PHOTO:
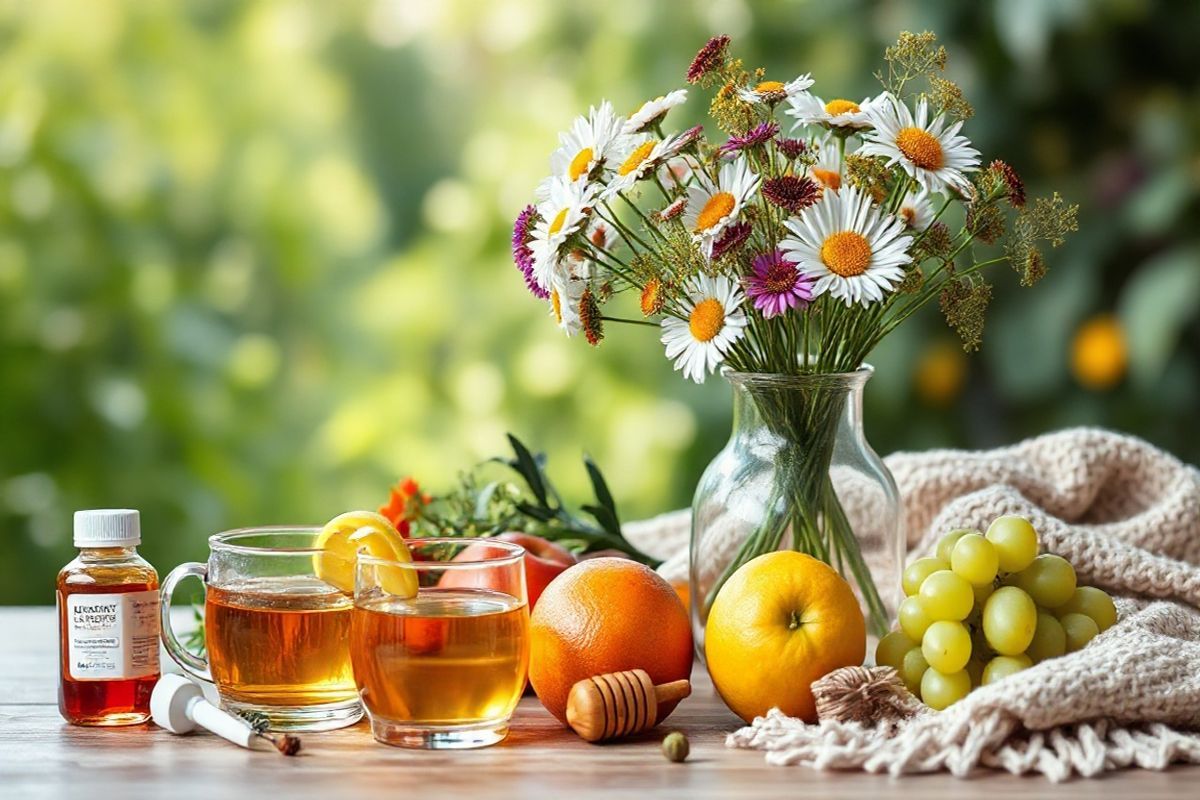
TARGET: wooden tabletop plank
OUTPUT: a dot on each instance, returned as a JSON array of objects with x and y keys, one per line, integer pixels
[{"x": 40, "y": 755}]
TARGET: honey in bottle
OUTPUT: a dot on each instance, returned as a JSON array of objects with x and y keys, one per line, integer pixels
[{"x": 108, "y": 623}]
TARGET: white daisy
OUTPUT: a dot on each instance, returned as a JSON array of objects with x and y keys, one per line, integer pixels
[
  {"x": 916, "y": 210},
  {"x": 848, "y": 247},
  {"x": 638, "y": 159},
  {"x": 809, "y": 109},
  {"x": 583, "y": 149},
  {"x": 936, "y": 156},
  {"x": 653, "y": 111},
  {"x": 711, "y": 209},
  {"x": 827, "y": 169},
  {"x": 567, "y": 206},
  {"x": 773, "y": 92},
  {"x": 714, "y": 322},
  {"x": 565, "y": 294}
]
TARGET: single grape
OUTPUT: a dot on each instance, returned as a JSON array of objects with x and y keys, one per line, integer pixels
[
  {"x": 982, "y": 592},
  {"x": 918, "y": 571},
  {"x": 1009, "y": 619},
  {"x": 1003, "y": 666},
  {"x": 913, "y": 618},
  {"x": 1080, "y": 629},
  {"x": 1049, "y": 639},
  {"x": 1015, "y": 541},
  {"x": 975, "y": 559},
  {"x": 1093, "y": 602},
  {"x": 975, "y": 670},
  {"x": 945, "y": 595},
  {"x": 945, "y": 545},
  {"x": 940, "y": 690},
  {"x": 1049, "y": 580},
  {"x": 912, "y": 669},
  {"x": 947, "y": 646},
  {"x": 891, "y": 649}
]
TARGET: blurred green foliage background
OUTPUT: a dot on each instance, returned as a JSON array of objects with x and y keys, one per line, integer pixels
[{"x": 254, "y": 255}]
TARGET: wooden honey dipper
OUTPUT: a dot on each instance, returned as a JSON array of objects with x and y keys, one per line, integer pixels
[{"x": 619, "y": 703}]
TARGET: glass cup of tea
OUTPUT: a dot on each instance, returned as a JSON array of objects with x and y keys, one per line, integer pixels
[
  {"x": 276, "y": 635},
  {"x": 440, "y": 645}
]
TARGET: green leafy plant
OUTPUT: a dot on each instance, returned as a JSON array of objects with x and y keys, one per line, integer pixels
[{"x": 485, "y": 505}]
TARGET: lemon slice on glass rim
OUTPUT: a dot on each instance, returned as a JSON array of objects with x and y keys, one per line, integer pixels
[{"x": 346, "y": 535}]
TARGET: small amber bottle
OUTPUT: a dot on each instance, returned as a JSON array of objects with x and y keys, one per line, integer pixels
[{"x": 107, "y": 623}]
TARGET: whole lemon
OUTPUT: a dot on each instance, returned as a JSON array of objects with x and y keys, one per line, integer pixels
[{"x": 780, "y": 622}]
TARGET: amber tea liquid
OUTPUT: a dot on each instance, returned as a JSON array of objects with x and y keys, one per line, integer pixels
[
  {"x": 448, "y": 657},
  {"x": 279, "y": 642}
]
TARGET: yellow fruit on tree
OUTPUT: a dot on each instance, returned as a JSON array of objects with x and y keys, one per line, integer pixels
[{"x": 780, "y": 622}]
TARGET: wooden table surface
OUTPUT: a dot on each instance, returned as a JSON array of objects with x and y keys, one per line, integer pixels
[{"x": 42, "y": 756}]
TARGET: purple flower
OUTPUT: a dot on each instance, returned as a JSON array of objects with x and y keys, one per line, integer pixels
[
  {"x": 755, "y": 137},
  {"x": 522, "y": 255},
  {"x": 791, "y": 148},
  {"x": 791, "y": 193},
  {"x": 776, "y": 285}
]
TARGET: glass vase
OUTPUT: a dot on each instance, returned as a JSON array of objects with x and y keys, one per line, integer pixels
[{"x": 798, "y": 473}]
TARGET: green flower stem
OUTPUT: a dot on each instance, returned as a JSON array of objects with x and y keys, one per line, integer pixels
[
  {"x": 645, "y": 220},
  {"x": 611, "y": 220},
  {"x": 631, "y": 321}
]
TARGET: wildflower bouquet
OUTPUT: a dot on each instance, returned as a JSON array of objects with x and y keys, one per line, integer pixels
[{"x": 784, "y": 252}]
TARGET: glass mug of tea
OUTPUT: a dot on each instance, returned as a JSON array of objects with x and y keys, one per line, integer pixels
[
  {"x": 276, "y": 635},
  {"x": 440, "y": 644}
]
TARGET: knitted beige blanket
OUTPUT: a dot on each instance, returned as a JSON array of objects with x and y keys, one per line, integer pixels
[{"x": 1127, "y": 516}]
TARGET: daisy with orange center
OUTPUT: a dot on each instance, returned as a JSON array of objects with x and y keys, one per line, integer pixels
[
  {"x": 848, "y": 247},
  {"x": 772, "y": 92},
  {"x": 826, "y": 171},
  {"x": 567, "y": 207},
  {"x": 637, "y": 160},
  {"x": 711, "y": 321},
  {"x": 808, "y": 109},
  {"x": 713, "y": 207},
  {"x": 584, "y": 149},
  {"x": 935, "y": 155}
]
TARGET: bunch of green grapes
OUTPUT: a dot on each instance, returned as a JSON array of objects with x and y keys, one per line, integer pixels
[{"x": 986, "y": 607}]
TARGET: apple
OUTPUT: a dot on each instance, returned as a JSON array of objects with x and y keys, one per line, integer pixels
[{"x": 544, "y": 561}]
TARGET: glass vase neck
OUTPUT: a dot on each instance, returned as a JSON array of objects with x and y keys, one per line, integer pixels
[
  {"x": 803, "y": 382},
  {"x": 759, "y": 393}
]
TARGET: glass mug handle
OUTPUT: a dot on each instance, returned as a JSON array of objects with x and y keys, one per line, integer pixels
[{"x": 192, "y": 664}]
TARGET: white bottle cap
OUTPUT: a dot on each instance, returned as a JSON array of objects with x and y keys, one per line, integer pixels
[{"x": 107, "y": 527}]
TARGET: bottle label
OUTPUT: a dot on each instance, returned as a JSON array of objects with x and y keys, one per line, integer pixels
[{"x": 112, "y": 635}]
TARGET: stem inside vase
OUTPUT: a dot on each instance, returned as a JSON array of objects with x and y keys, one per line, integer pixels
[{"x": 795, "y": 442}]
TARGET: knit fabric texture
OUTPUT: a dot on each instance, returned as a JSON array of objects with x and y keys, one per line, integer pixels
[{"x": 1127, "y": 516}]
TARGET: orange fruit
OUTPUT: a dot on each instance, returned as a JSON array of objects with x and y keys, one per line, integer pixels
[
  {"x": 780, "y": 622},
  {"x": 604, "y": 615}
]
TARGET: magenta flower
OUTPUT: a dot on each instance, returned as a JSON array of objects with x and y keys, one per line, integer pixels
[
  {"x": 791, "y": 148},
  {"x": 755, "y": 137},
  {"x": 776, "y": 285},
  {"x": 522, "y": 254}
]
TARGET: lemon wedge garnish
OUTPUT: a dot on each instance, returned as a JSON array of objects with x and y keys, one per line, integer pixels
[{"x": 346, "y": 535}]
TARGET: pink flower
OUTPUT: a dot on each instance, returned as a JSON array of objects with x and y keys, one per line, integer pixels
[{"x": 776, "y": 285}]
